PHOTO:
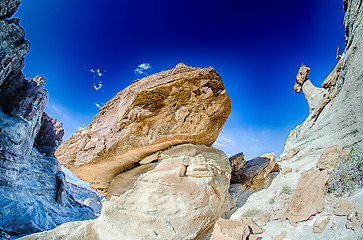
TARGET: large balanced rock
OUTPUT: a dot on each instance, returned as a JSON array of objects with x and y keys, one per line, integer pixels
[
  {"x": 181, "y": 105},
  {"x": 168, "y": 202},
  {"x": 33, "y": 195}
]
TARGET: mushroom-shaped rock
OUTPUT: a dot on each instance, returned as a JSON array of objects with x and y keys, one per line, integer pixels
[{"x": 181, "y": 105}]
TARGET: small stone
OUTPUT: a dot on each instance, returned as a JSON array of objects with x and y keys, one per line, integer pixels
[
  {"x": 320, "y": 224},
  {"x": 334, "y": 225},
  {"x": 262, "y": 219},
  {"x": 344, "y": 208},
  {"x": 330, "y": 157},
  {"x": 286, "y": 170},
  {"x": 254, "y": 237},
  {"x": 280, "y": 236},
  {"x": 230, "y": 230},
  {"x": 353, "y": 223}
]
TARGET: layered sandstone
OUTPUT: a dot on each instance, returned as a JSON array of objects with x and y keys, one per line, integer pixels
[{"x": 181, "y": 105}]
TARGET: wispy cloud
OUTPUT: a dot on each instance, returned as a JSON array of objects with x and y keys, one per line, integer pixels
[
  {"x": 98, "y": 105},
  {"x": 97, "y": 86},
  {"x": 143, "y": 69},
  {"x": 81, "y": 128},
  {"x": 97, "y": 74}
]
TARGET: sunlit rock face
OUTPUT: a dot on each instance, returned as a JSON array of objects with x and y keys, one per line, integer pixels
[
  {"x": 336, "y": 109},
  {"x": 33, "y": 194},
  {"x": 181, "y": 198},
  {"x": 181, "y": 105}
]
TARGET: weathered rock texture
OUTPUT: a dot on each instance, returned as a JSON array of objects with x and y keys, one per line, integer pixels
[
  {"x": 308, "y": 199},
  {"x": 235, "y": 230},
  {"x": 301, "y": 77},
  {"x": 162, "y": 204},
  {"x": 8, "y": 8},
  {"x": 33, "y": 195},
  {"x": 335, "y": 118},
  {"x": 254, "y": 172},
  {"x": 330, "y": 158},
  {"x": 181, "y": 105},
  {"x": 336, "y": 111}
]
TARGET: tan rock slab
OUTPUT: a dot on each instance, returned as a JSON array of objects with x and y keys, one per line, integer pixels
[
  {"x": 289, "y": 155},
  {"x": 286, "y": 170},
  {"x": 262, "y": 219},
  {"x": 230, "y": 230},
  {"x": 308, "y": 198},
  {"x": 320, "y": 224},
  {"x": 281, "y": 236},
  {"x": 344, "y": 208},
  {"x": 255, "y": 171},
  {"x": 330, "y": 157},
  {"x": 181, "y": 105}
]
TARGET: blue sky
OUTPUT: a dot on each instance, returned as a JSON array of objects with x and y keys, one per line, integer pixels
[{"x": 89, "y": 50}]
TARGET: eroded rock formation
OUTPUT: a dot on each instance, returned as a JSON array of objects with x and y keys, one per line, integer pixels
[
  {"x": 181, "y": 105},
  {"x": 33, "y": 194},
  {"x": 335, "y": 119},
  {"x": 162, "y": 204}
]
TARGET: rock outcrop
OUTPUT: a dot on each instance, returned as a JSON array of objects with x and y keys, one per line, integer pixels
[
  {"x": 8, "y": 8},
  {"x": 181, "y": 105},
  {"x": 335, "y": 119},
  {"x": 162, "y": 204},
  {"x": 32, "y": 186},
  {"x": 254, "y": 172}
]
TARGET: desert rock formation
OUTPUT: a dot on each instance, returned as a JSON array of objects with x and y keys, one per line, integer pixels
[
  {"x": 181, "y": 105},
  {"x": 335, "y": 119},
  {"x": 32, "y": 186}
]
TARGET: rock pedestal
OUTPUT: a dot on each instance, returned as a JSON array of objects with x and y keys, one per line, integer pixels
[{"x": 181, "y": 105}]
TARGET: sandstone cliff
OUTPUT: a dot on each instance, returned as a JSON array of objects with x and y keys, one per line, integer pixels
[
  {"x": 33, "y": 194},
  {"x": 181, "y": 105}
]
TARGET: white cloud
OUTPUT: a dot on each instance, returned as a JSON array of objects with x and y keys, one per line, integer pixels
[
  {"x": 97, "y": 86},
  {"x": 81, "y": 128},
  {"x": 143, "y": 69},
  {"x": 98, "y": 105},
  {"x": 222, "y": 141},
  {"x": 99, "y": 73}
]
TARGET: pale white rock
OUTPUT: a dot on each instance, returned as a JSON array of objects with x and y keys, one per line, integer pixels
[{"x": 162, "y": 204}]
